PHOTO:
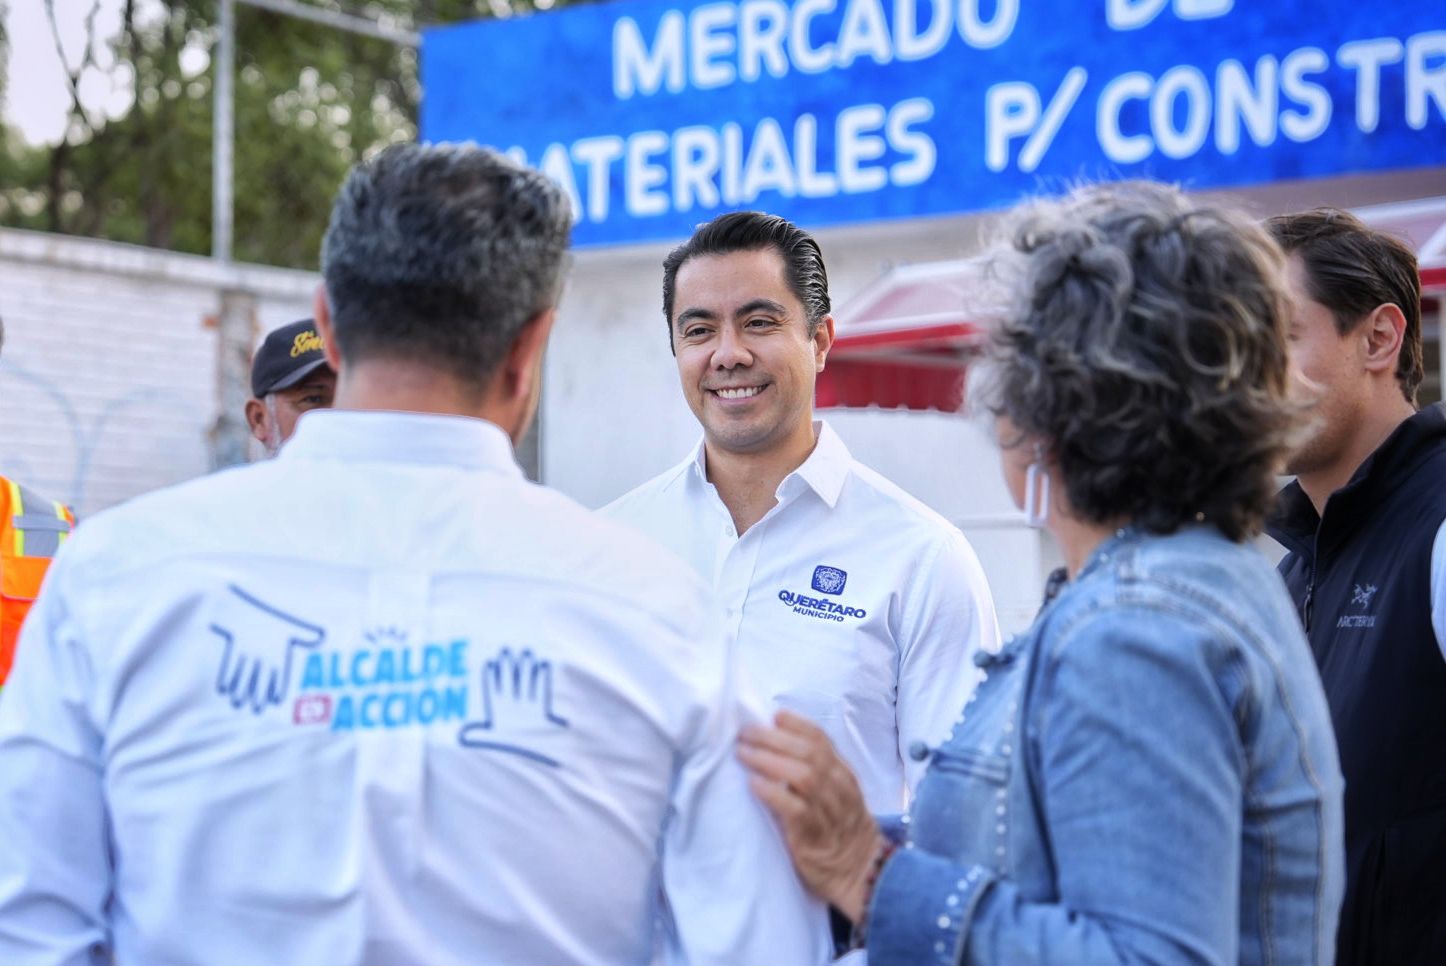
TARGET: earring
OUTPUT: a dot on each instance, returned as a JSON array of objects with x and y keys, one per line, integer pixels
[{"x": 1036, "y": 490}]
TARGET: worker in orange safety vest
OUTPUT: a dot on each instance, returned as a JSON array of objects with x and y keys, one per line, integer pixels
[{"x": 32, "y": 529}]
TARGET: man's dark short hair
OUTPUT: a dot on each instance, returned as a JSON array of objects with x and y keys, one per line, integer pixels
[
  {"x": 439, "y": 254},
  {"x": 1352, "y": 269},
  {"x": 748, "y": 231}
]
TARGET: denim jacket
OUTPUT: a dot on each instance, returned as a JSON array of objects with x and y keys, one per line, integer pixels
[{"x": 1147, "y": 775}]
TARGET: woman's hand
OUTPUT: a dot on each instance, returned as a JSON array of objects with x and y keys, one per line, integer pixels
[{"x": 816, "y": 799}]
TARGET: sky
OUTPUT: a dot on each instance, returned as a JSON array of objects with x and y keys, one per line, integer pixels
[{"x": 36, "y": 95}]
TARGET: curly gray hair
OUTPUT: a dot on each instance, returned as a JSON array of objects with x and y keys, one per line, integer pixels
[{"x": 1145, "y": 348}]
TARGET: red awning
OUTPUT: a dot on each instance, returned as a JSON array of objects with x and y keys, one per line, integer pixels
[{"x": 906, "y": 340}]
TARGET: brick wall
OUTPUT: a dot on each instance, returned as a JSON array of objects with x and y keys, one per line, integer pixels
[{"x": 110, "y": 375}]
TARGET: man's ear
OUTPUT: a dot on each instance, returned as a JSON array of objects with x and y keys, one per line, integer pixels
[
  {"x": 256, "y": 419},
  {"x": 523, "y": 366},
  {"x": 1384, "y": 332},
  {"x": 822, "y": 342},
  {"x": 321, "y": 313}
]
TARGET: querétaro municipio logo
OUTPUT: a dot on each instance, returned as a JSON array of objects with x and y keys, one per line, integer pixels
[{"x": 829, "y": 580}]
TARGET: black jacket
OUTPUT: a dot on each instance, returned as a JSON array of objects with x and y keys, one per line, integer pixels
[{"x": 1360, "y": 574}]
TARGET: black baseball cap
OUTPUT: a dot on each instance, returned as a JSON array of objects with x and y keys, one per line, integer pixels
[{"x": 287, "y": 356}]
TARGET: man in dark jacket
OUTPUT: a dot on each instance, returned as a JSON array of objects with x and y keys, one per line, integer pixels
[{"x": 1367, "y": 567}]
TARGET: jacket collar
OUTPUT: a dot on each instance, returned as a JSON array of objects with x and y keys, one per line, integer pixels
[
  {"x": 1295, "y": 522},
  {"x": 390, "y": 437}
]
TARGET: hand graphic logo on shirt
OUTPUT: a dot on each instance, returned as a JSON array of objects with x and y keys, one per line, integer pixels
[
  {"x": 516, "y": 702},
  {"x": 258, "y": 644}
]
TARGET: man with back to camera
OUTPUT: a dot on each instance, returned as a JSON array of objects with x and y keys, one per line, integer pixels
[
  {"x": 852, "y": 602},
  {"x": 289, "y": 376},
  {"x": 1363, "y": 523},
  {"x": 441, "y": 716}
]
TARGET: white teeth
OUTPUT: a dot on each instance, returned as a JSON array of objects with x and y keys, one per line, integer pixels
[{"x": 739, "y": 393}]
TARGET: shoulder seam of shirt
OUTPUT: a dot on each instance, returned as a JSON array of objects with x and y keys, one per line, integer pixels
[
  {"x": 661, "y": 483},
  {"x": 898, "y": 497}
]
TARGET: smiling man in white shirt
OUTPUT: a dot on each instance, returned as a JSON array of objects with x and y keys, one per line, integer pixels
[
  {"x": 852, "y": 603},
  {"x": 381, "y": 700}
]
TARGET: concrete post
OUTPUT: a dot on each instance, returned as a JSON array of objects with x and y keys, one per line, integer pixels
[{"x": 229, "y": 437}]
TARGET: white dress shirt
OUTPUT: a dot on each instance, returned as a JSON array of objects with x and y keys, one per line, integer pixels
[
  {"x": 380, "y": 700},
  {"x": 852, "y": 603}
]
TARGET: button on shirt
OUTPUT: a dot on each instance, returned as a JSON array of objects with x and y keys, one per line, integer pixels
[
  {"x": 852, "y": 602},
  {"x": 381, "y": 700}
]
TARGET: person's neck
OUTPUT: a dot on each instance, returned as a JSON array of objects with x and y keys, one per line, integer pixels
[
  {"x": 1077, "y": 539},
  {"x": 395, "y": 386},
  {"x": 1379, "y": 422},
  {"x": 747, "y": 483}
]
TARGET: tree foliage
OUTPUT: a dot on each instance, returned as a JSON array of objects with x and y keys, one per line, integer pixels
[{"x": 310, "y": 101}]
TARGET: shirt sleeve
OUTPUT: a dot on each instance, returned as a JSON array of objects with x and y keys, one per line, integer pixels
[
  {"x": 55, "y": 871},
  {"x": 948, "y": 617},
  {"x": 1438, "y": 588},
  {"x": 1144, "y": 821},
  {"x": 727, "y": 879}
]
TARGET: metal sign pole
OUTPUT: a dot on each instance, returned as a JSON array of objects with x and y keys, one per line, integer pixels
[
  {"x": 236, "y": 320},
  {"x": 222, "y": 135},
  {"x": 224, "y": 121},
  {"x": 341, "y": 21}
]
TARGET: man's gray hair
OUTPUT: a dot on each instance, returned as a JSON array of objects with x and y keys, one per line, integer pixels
[{"x": 439, "y": 254}]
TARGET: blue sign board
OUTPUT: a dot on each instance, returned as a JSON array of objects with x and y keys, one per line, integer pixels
[{"x": 657, "y": 114}]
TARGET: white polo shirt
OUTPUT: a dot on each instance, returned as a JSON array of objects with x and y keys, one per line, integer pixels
[
  {"x": 380, "y": 700},
  {"x": 852, "y": 602}
]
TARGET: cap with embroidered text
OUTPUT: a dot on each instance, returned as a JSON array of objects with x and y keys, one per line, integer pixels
[{"x": 287, "y": 355}]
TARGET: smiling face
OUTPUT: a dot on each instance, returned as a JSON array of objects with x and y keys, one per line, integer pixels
[{"x": 745, "y": 356}]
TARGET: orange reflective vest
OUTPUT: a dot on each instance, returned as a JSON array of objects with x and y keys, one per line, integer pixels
[{"x": 32, "y": 529}]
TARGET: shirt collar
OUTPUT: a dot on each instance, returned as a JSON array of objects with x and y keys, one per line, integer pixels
[
  {"x": 393, "y": 437},
  {"x": 825, "y": 471}
]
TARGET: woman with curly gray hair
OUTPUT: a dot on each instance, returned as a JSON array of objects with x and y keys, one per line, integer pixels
[{"x": 1148, "y": 774}]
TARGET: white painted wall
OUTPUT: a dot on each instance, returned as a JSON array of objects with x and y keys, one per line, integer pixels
[
  {"x": 109, "y": 372},
  {"x": 951, "y": 463}
]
